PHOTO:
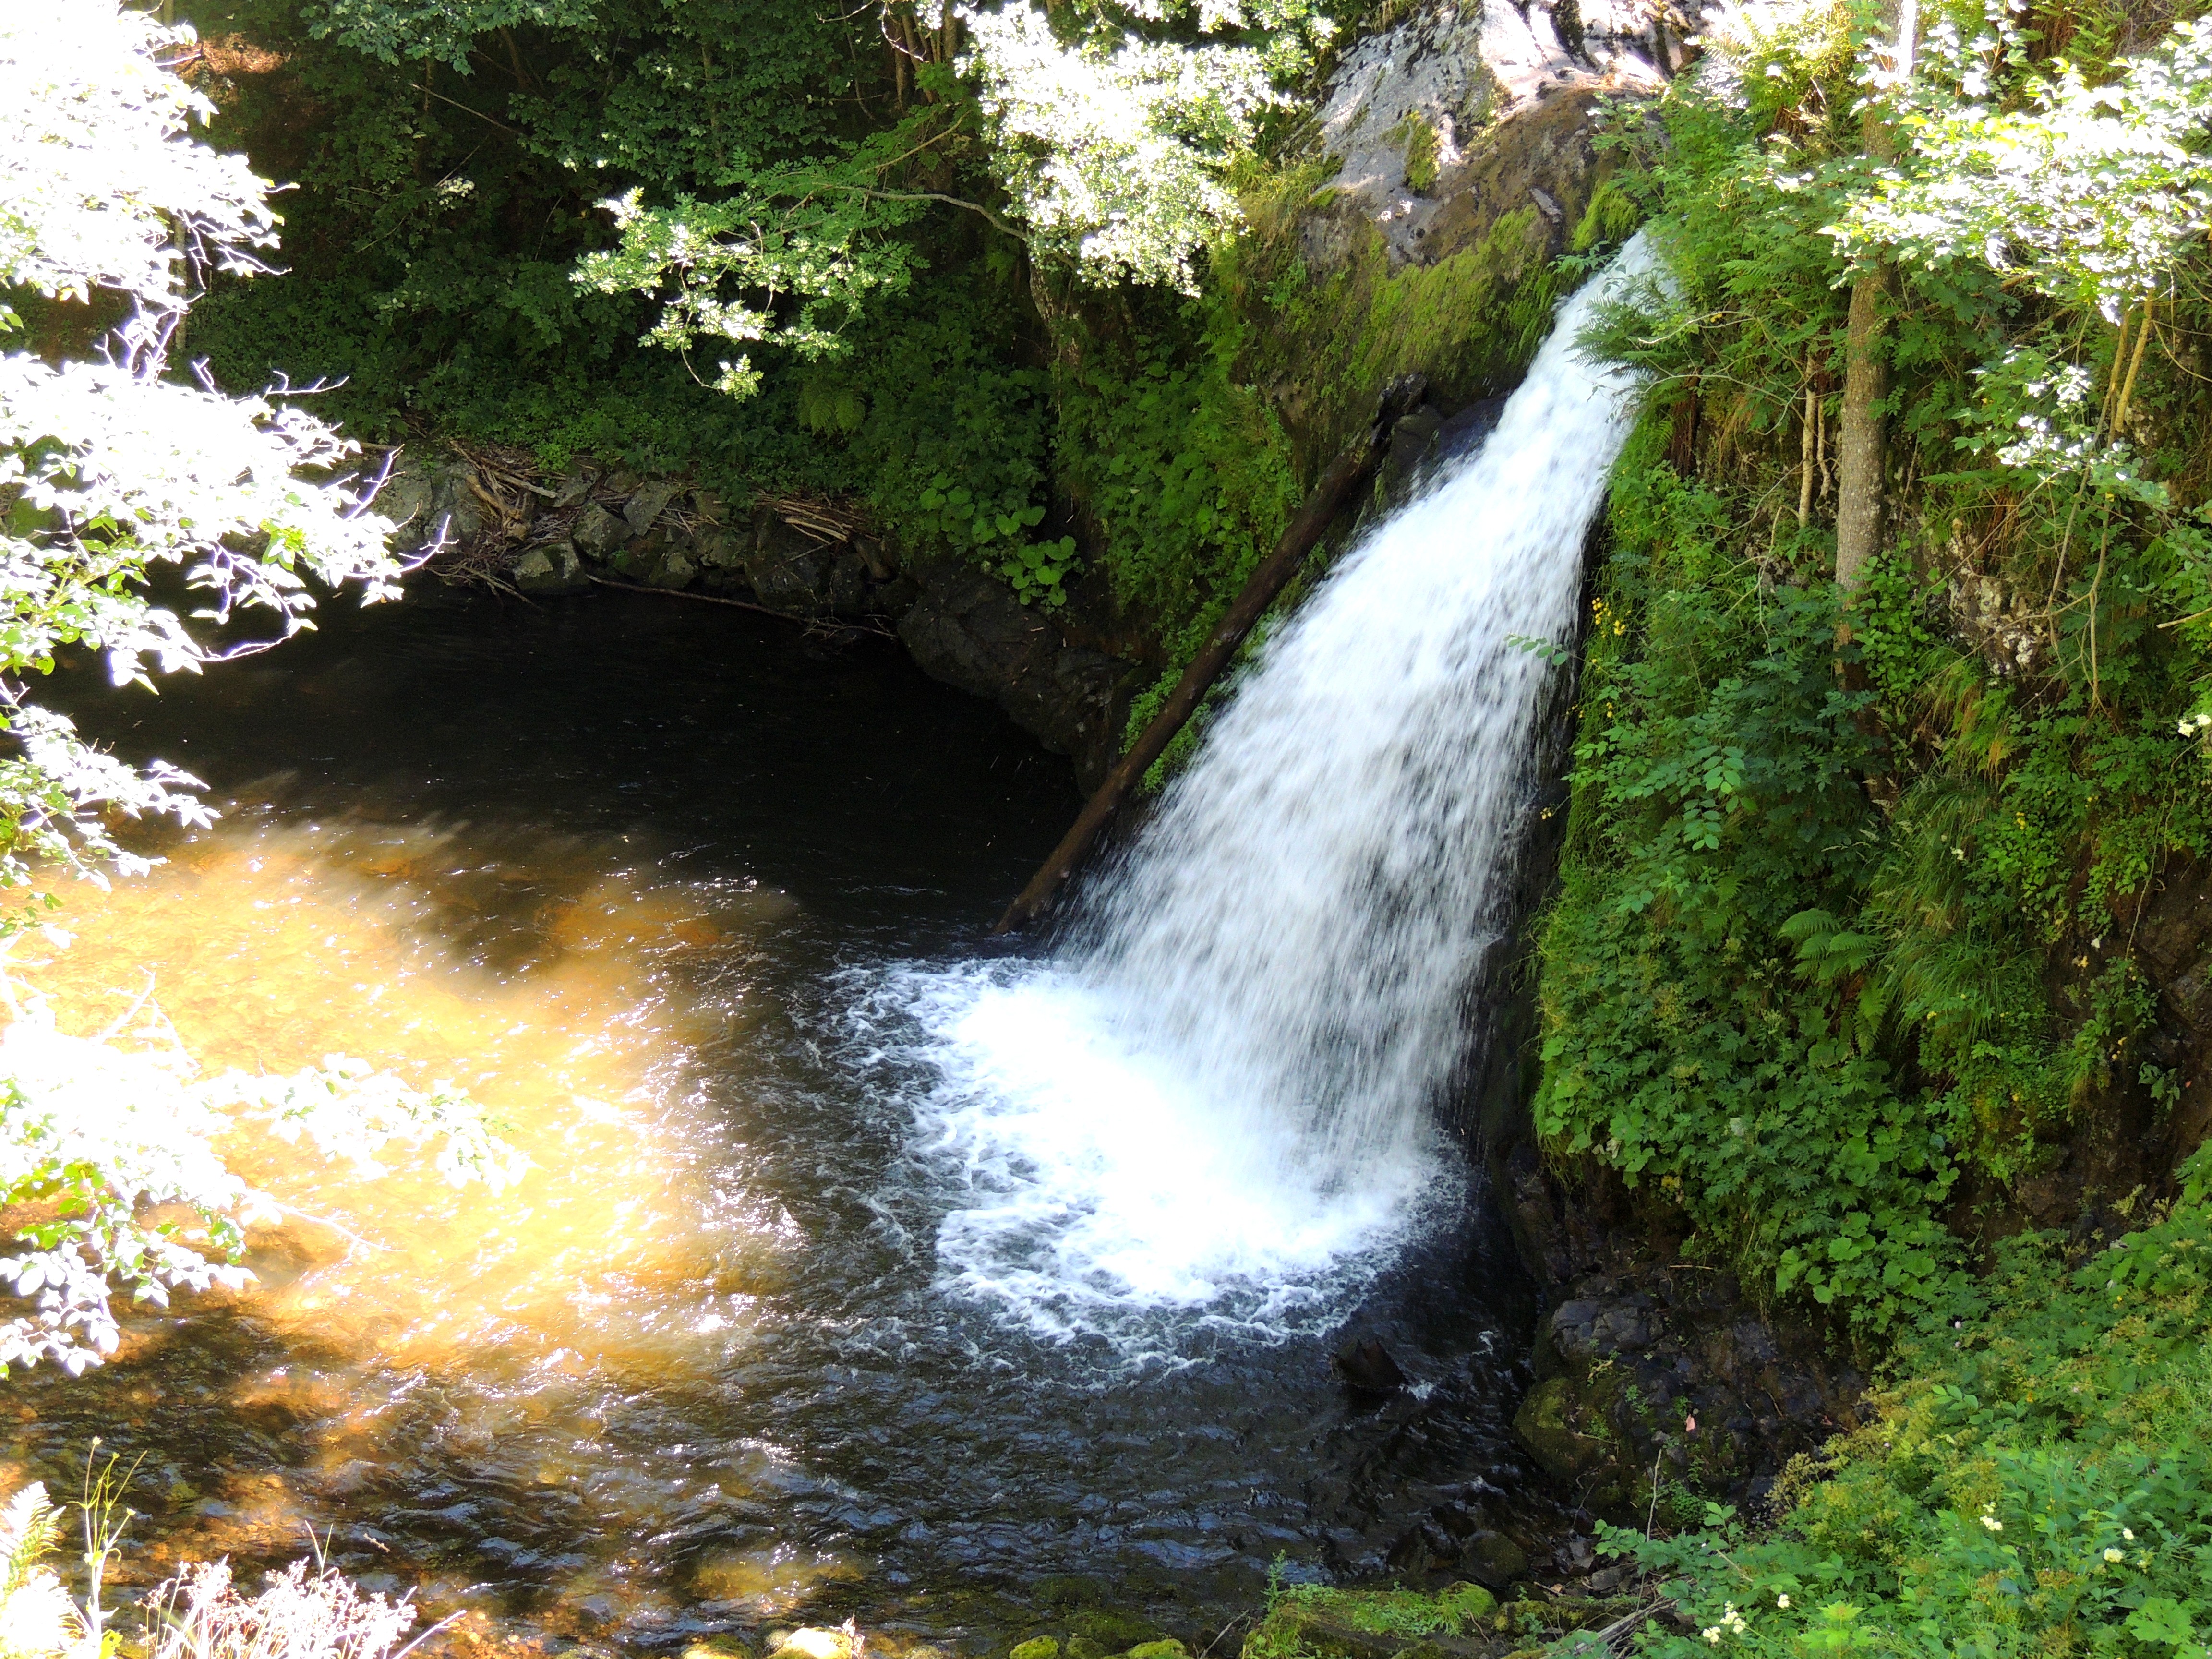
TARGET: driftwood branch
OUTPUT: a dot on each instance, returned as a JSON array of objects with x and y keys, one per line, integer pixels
[{"x": 1336, "y": 486}]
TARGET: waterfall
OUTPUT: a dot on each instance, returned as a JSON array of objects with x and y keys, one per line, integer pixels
[{"x": 1219, "y": 1098}]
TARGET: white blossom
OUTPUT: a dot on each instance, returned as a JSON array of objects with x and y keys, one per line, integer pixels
[{"x": 1117, "y": 148}]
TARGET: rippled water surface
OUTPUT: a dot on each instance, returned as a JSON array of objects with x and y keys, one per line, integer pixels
[{"x": 687, "y": 897}]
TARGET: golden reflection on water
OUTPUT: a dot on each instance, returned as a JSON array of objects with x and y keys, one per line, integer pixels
[
  {"x": 272, "y": 947},
  {"x": 616, "y": 1265}
]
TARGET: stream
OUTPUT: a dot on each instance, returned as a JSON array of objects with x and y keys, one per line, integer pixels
[{"x": 783, "y": 1326}]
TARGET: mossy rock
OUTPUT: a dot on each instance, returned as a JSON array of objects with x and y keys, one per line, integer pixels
[
  {"x": 1082, "y": 1647},
  {"x": 1117, "y": 1632},
  {"x": 1567, "y": 1433},
  {"x": 1166, "y": 1648},
  {"x": 1040, "y": 1647}
]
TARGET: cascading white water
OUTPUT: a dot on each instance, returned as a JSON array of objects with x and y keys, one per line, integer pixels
[{"x": 1222, "y": 1101}]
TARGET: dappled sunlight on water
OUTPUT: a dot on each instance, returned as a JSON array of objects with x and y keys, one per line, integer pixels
[{"x": 271, "y": 946}]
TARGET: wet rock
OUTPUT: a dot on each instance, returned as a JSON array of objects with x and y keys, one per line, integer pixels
[
  {"x": 971, "y": 631},
  {"x": 550, "y": 567},
  {"x": 1494, "y": 1560},
  {"x": 1367, "y": 1368},
  {"x": 598, "y": 1612},
  {"x": 596, "y": 533},
  {"x": 812, "y": 1642}
]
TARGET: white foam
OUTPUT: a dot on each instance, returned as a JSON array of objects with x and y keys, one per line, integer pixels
[{"x": 1220, "y": 1102}]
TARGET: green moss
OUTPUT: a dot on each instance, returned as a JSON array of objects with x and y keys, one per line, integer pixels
[
  {"x": 1417, "y": 140},
  {"x": 1301, "y": 1617},
  {"x": 1117, "y": 1632},
  {"x": 1042, "y": 1647}
]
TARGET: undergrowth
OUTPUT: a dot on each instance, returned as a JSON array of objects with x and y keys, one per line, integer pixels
[{"x": 2040, "y": 1482}]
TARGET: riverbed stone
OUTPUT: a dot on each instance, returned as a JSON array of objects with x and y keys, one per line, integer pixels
[
  {"x": 812, "y": 1642},
  {"x": 1041, "y": 1647}
]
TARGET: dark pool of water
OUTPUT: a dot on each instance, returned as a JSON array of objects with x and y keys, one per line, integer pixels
[{"x": 781, "y": 1416}]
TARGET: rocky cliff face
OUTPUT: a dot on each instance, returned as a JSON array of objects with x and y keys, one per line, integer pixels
[{"x": 1463, "y": 113}]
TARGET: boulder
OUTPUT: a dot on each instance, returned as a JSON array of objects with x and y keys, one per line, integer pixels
[
  {"x": 848, "y": 584},
  {"x": 1367, "y": 1368},
  {"x": 668, "y": 567},
  {"x": 550, "y": 567},
  {"x": 1570, "y": 1440},
  {"x": 596, "y": 533},
  {"x": 644, "y": 509},
  {"x": 573, "y": 489},
  {"x": 1493, "y": 1558},
  {"x": 404, "y": 497}
]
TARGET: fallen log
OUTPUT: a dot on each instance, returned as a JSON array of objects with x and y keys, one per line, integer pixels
[{"x": 1336, "y": 486}]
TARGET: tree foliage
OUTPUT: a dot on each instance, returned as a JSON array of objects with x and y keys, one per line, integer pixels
[{"x": 111, "y": 470}]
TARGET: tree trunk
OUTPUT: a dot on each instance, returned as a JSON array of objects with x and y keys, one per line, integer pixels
[
  {"x": 1862, "y": 445},
  {"x": 1344, "y": 475},
  {"x": 1862, "y": 441}
]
